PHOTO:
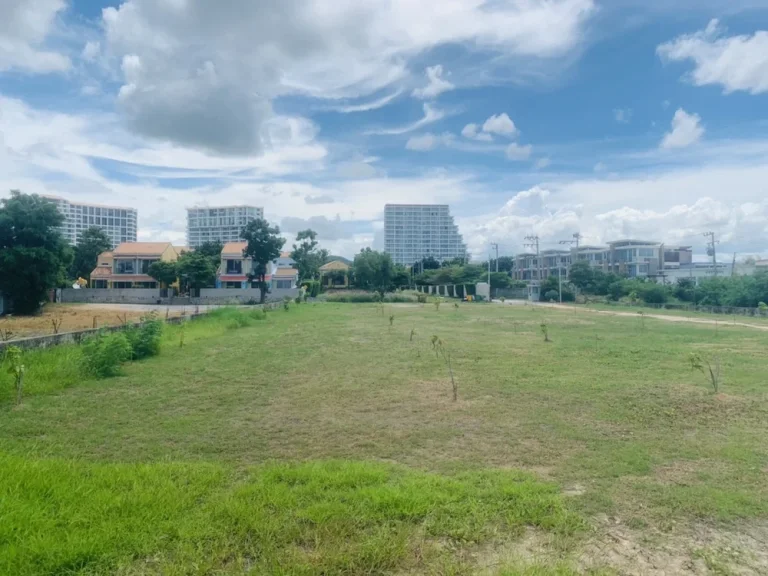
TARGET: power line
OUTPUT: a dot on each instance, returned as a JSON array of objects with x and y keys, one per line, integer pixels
[{"x": 533, "y": 242}]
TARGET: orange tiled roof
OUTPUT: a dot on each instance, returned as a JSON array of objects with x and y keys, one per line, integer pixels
[
  {"x": 101, "y": 272},
  {"x": 141, "y": 248},
  {"x": 234, "y": 248},
  {"x": 286, "y": 272}
]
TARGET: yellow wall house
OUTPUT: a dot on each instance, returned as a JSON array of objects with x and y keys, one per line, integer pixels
[
  {"x": 127, "y": 266},
  {"x": 331, "y": 274}
]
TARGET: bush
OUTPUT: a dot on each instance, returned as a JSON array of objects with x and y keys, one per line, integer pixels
[
  {"x": 552, "y": 296},
  {"x": 653, "y": 293},
  {"x": 359, "y": 297},
  {"x": 145, "y": 340},
  {"x": 421, "y": 298},
  {"x": 103, "y": 355},
  {"x": 312, "y": 287}
]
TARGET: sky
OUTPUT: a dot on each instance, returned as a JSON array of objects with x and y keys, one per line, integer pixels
[{"x": 612, "y": 118}]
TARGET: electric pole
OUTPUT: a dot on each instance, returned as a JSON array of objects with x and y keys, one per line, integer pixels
[
  {"x": 533, "y": 242},
  {"x": 576, "y": 240},
  {"x": 711, "y": 251},
  {"x": 495, "y": 245}
]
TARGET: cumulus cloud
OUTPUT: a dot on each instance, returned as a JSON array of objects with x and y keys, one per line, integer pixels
[
  {"x": 435, "y": 84},
  {"x": 517, "y": 152},
  {"x": 200, "y": 62},
  {"x": 24, "y": 28},
  {"x": 686, "y": 130},
  {"x": 734, "y": 62},
  {"x": 500, "y": 124},
  {"x": 472, "y": 132},
  {"x": 542, "y": 163}
]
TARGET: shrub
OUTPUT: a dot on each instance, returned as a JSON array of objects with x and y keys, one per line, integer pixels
[
  {"x": 103, "y": 355},
  {"x": 653, "y": 293},
  {"x": 552, "y": 296},
  {"x": 359, "y": 297},
  {"x": 312, "y": 287},
  {"x": 421, "y": 298},
  {"x": 145, "y": 340}
]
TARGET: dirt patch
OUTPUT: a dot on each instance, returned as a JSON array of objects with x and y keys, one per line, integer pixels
[
  {"x": 71, "y": 318},
  {"x": 689, "y": 550}
]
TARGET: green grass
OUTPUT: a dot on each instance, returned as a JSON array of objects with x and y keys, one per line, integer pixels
[{"x": 193, "y": 443}]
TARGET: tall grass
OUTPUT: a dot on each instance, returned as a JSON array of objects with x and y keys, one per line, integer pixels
[
  {"x": 314, "y": 518},
  {"x": 52, "y": 369},
  {"x": 360, "y": 297}
]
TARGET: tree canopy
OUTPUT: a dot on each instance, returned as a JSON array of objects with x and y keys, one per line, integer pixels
[
  {"x": 307, "y": 256},
  {"x": 211, "y": 250},
  {"x": 91, "y": 243},
  {"x": 373, "y": 270},
  {"x": 197, "y": 269},
  {"x": 164, "y": 272},
  {"x": 264, "y": 245},
  {"x": 33, "y": 255}
]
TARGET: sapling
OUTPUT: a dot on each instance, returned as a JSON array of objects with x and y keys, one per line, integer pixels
[
  {"x": 391, "y": 320},
  {"x": 545, "y": 331},
  {"x": 707, "y": 368},
  {"x": 413, "y": 333},
  {"x": 56, "y": 323},
  {"x": 440, "y": 350},
  {"x": 16, "y": 369}
]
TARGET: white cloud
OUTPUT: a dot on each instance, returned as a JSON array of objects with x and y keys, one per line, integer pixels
[
  {"x": 91, "y": 51},
  {"x": 435, "y": 84},
  {"x": 252, "y": 52},
  {"x": 517, "y": 152},
  {"x": 428, "y": 141},
  {"x": 500, "y": 124},
  {"x": 734, "y": 62},
  {"x": 542, "y": 163},
  {"x": 431, "y": 115},
  {"x": 24, "y": 28},
  {"x": 686, "y": 130},
  {"x": 623, "y": 115},
  {"x": 367, "y": 106},
  {"x": 471, "y": 131}
]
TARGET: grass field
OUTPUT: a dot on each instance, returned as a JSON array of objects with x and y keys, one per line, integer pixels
[{"x": 322, "y": 440}]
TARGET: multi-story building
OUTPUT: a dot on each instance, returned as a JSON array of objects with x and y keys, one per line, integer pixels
[
  {"x": 118, "y": 222},
  {"x": 219, "y": 224},
  {"x": 130, "y": 264},
  {"x": 413, "y": 232},
  {"x": 635, "y": 258},
  {"x": 532, "y": 268}
]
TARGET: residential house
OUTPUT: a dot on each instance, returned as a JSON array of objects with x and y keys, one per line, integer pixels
[
  {"x": 102, "y": 274},
  {"x": 235, "y": 270},
  {"x": 284, "y": 260},
  {"x": 131, "y": 262},
  {"x": 335, "y": 274},
  {"x": 636, "y": 258}
]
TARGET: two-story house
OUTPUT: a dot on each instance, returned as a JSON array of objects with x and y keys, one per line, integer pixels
[
  {"x": 131, "y": 262},
  {"x": 235, "y": 270},
  {"x": 102, "y": 274}
]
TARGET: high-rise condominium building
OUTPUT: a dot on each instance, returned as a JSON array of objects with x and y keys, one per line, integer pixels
[
  {"x": 118, "y": 222},
  {"x": 416, "y": 231},
  {"x": 220, "y": 224}
]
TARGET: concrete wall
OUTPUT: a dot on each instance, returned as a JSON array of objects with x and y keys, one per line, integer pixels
[
  {"x": 231, "y": 296},
  {"x": 108, "y": 296}
]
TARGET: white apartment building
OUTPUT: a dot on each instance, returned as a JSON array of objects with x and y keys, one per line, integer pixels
[
  {"x": 416, "y": 231},
  {"x": 118, "y": 222},
  {"x": 219, "y": 224}
]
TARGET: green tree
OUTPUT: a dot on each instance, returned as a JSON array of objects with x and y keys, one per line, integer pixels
[
  {"x": 264, "y": 245},
  {"x": 33, "y": 255},
  {"x": 429, "y": 263},
  {"x": 582, "y": 276},
  {"x": 91, "y": 243},
  {"x": 307, "y": 256},
  {"x": 373, "y": 270},
  {"x": 500, "y": 280},
  {"x": 197, "y": 270},
  {"x": 211, "y": 250},
  {"x": 400, "y": 277},
  {"x": 165, "y": 273}
]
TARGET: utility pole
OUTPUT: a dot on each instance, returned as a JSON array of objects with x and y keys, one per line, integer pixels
[
  {"x": 533, "y": 242},
  {"x": 495, "y": 245},
  {"x": 711, "y": 249},
  {"x": 576, "y": 240},
  {"x": 489, "y": 271},
  {"x": 733, "y": 266}
]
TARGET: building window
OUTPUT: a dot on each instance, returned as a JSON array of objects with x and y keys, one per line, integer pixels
[
  {"x": 124, "y": 267},
  {"x": 233, "y": 285},
  {"x": 145, "y": 264},
  {"x": 234, "y": 266},
  {"x": 283, "y": 284}
]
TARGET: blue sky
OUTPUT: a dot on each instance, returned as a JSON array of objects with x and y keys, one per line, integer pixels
[{"x": 614, "y": 119}]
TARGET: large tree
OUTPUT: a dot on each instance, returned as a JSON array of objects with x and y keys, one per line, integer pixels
[
  {"x": 264, "y": 245},
  {"x": 582, "y": 276},
  {"x": 33, "y": 255},
  {"x": 373, "y": 270},
  {"x": 307, "y": 256},
  {"x": 211, "y": 250},
  {"x": 164, "y": 272},
  {"x": 197, "y": 270},
  {"x": 91, "y": 243}
]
